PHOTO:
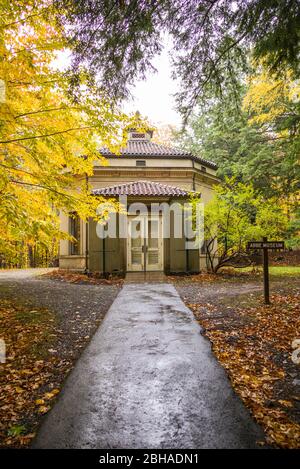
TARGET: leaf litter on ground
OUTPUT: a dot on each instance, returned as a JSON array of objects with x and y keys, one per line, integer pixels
[{"x": 254, "y": 345}]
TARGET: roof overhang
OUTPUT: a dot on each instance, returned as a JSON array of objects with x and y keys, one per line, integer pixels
[{"x": 144, "y": 189}]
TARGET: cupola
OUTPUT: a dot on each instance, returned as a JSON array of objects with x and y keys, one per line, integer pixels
[
  {"x": 141, "y": 132},
  {"x": 135, "y": 134}
]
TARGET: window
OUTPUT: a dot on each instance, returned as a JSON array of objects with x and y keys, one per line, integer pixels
[
  {"x": 140, "y": 163},
  {"x": 203, "y": 169},
  {"x": 138, "y": 135},
  {"x": 74, "y": 230}
]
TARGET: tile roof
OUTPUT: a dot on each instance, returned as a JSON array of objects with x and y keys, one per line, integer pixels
[
  {"x": 142, "y": 188},
  {"x": 148, "y": 149}
]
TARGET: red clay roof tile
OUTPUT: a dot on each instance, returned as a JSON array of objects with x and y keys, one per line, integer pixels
[
  {"x": 147, "y": 149},
  {"x": 142, "y": 188}
]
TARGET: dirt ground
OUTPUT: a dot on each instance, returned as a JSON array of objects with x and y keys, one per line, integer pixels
[{"x": 253, "y": 342}]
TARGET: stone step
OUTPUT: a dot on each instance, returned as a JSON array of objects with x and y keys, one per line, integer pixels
[{"x": 145, "y": 277}]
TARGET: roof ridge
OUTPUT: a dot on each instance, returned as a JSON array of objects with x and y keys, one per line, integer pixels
[
  {"x": 137, "y": 182},
  {"x": 171, "y": 147},
  {"x": 157, "y": 182},
  {"x": 149, "y": 142}
]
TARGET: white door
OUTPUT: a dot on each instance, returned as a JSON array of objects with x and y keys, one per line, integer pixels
[
  {"x": 145, "y": 243},
  {"x": 154, "y": 243},
  {"x": 135, "y": 244}
]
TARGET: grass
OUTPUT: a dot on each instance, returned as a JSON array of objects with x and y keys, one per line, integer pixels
[
  {"x": 284, "y": 270},
  {"x": 280, "y": 270},
  {"x": 275, "y": 270}
]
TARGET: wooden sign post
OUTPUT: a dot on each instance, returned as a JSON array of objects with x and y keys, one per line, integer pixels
[
  {"x": 265, "y": 245},
  {"x": 266, "y": 273}
]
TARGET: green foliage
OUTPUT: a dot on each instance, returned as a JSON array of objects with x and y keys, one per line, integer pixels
[
  {"x": 16, "y": 430},
  {"x": 220, "y": 132},
  {"x": 117, "y": 40},
  {"x": 260, "y": 153},
  {"x": 256, "y": 142},
  {"x": 293, "y": 231},
  {"x": 236, "y": 215}
]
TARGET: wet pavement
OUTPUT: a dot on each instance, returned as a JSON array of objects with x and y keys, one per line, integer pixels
[{"x": 148, "y": 379}]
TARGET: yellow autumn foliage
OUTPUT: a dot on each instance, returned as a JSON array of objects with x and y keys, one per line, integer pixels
[
  {"x": 45, "y": 137},
  {"x": 269, "y": 97}
]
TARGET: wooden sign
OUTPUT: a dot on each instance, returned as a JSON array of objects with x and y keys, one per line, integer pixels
[{"x": 265, "y": 245}]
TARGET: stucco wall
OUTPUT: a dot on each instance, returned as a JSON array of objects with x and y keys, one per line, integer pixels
[
  {"x": 122, "y": 161},
  {"x": 72, "y": 262}
]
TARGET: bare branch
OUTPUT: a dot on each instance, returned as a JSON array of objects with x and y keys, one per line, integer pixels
[{"x": 47, "y": 135}]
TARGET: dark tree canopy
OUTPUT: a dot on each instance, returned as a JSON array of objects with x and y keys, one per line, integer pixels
[{"x": 117, "y": 40}]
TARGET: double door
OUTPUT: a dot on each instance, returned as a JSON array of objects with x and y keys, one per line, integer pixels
[{"x": 145, "y": 243}]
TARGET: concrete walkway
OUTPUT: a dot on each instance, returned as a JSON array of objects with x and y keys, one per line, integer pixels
[{"x": 148, "y": 380}]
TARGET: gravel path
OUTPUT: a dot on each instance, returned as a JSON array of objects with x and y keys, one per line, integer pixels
[
  {"x": 224, "y": 292},
  {"x": 19, "y": 274},
  {"x": 78, "y": 309}
]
